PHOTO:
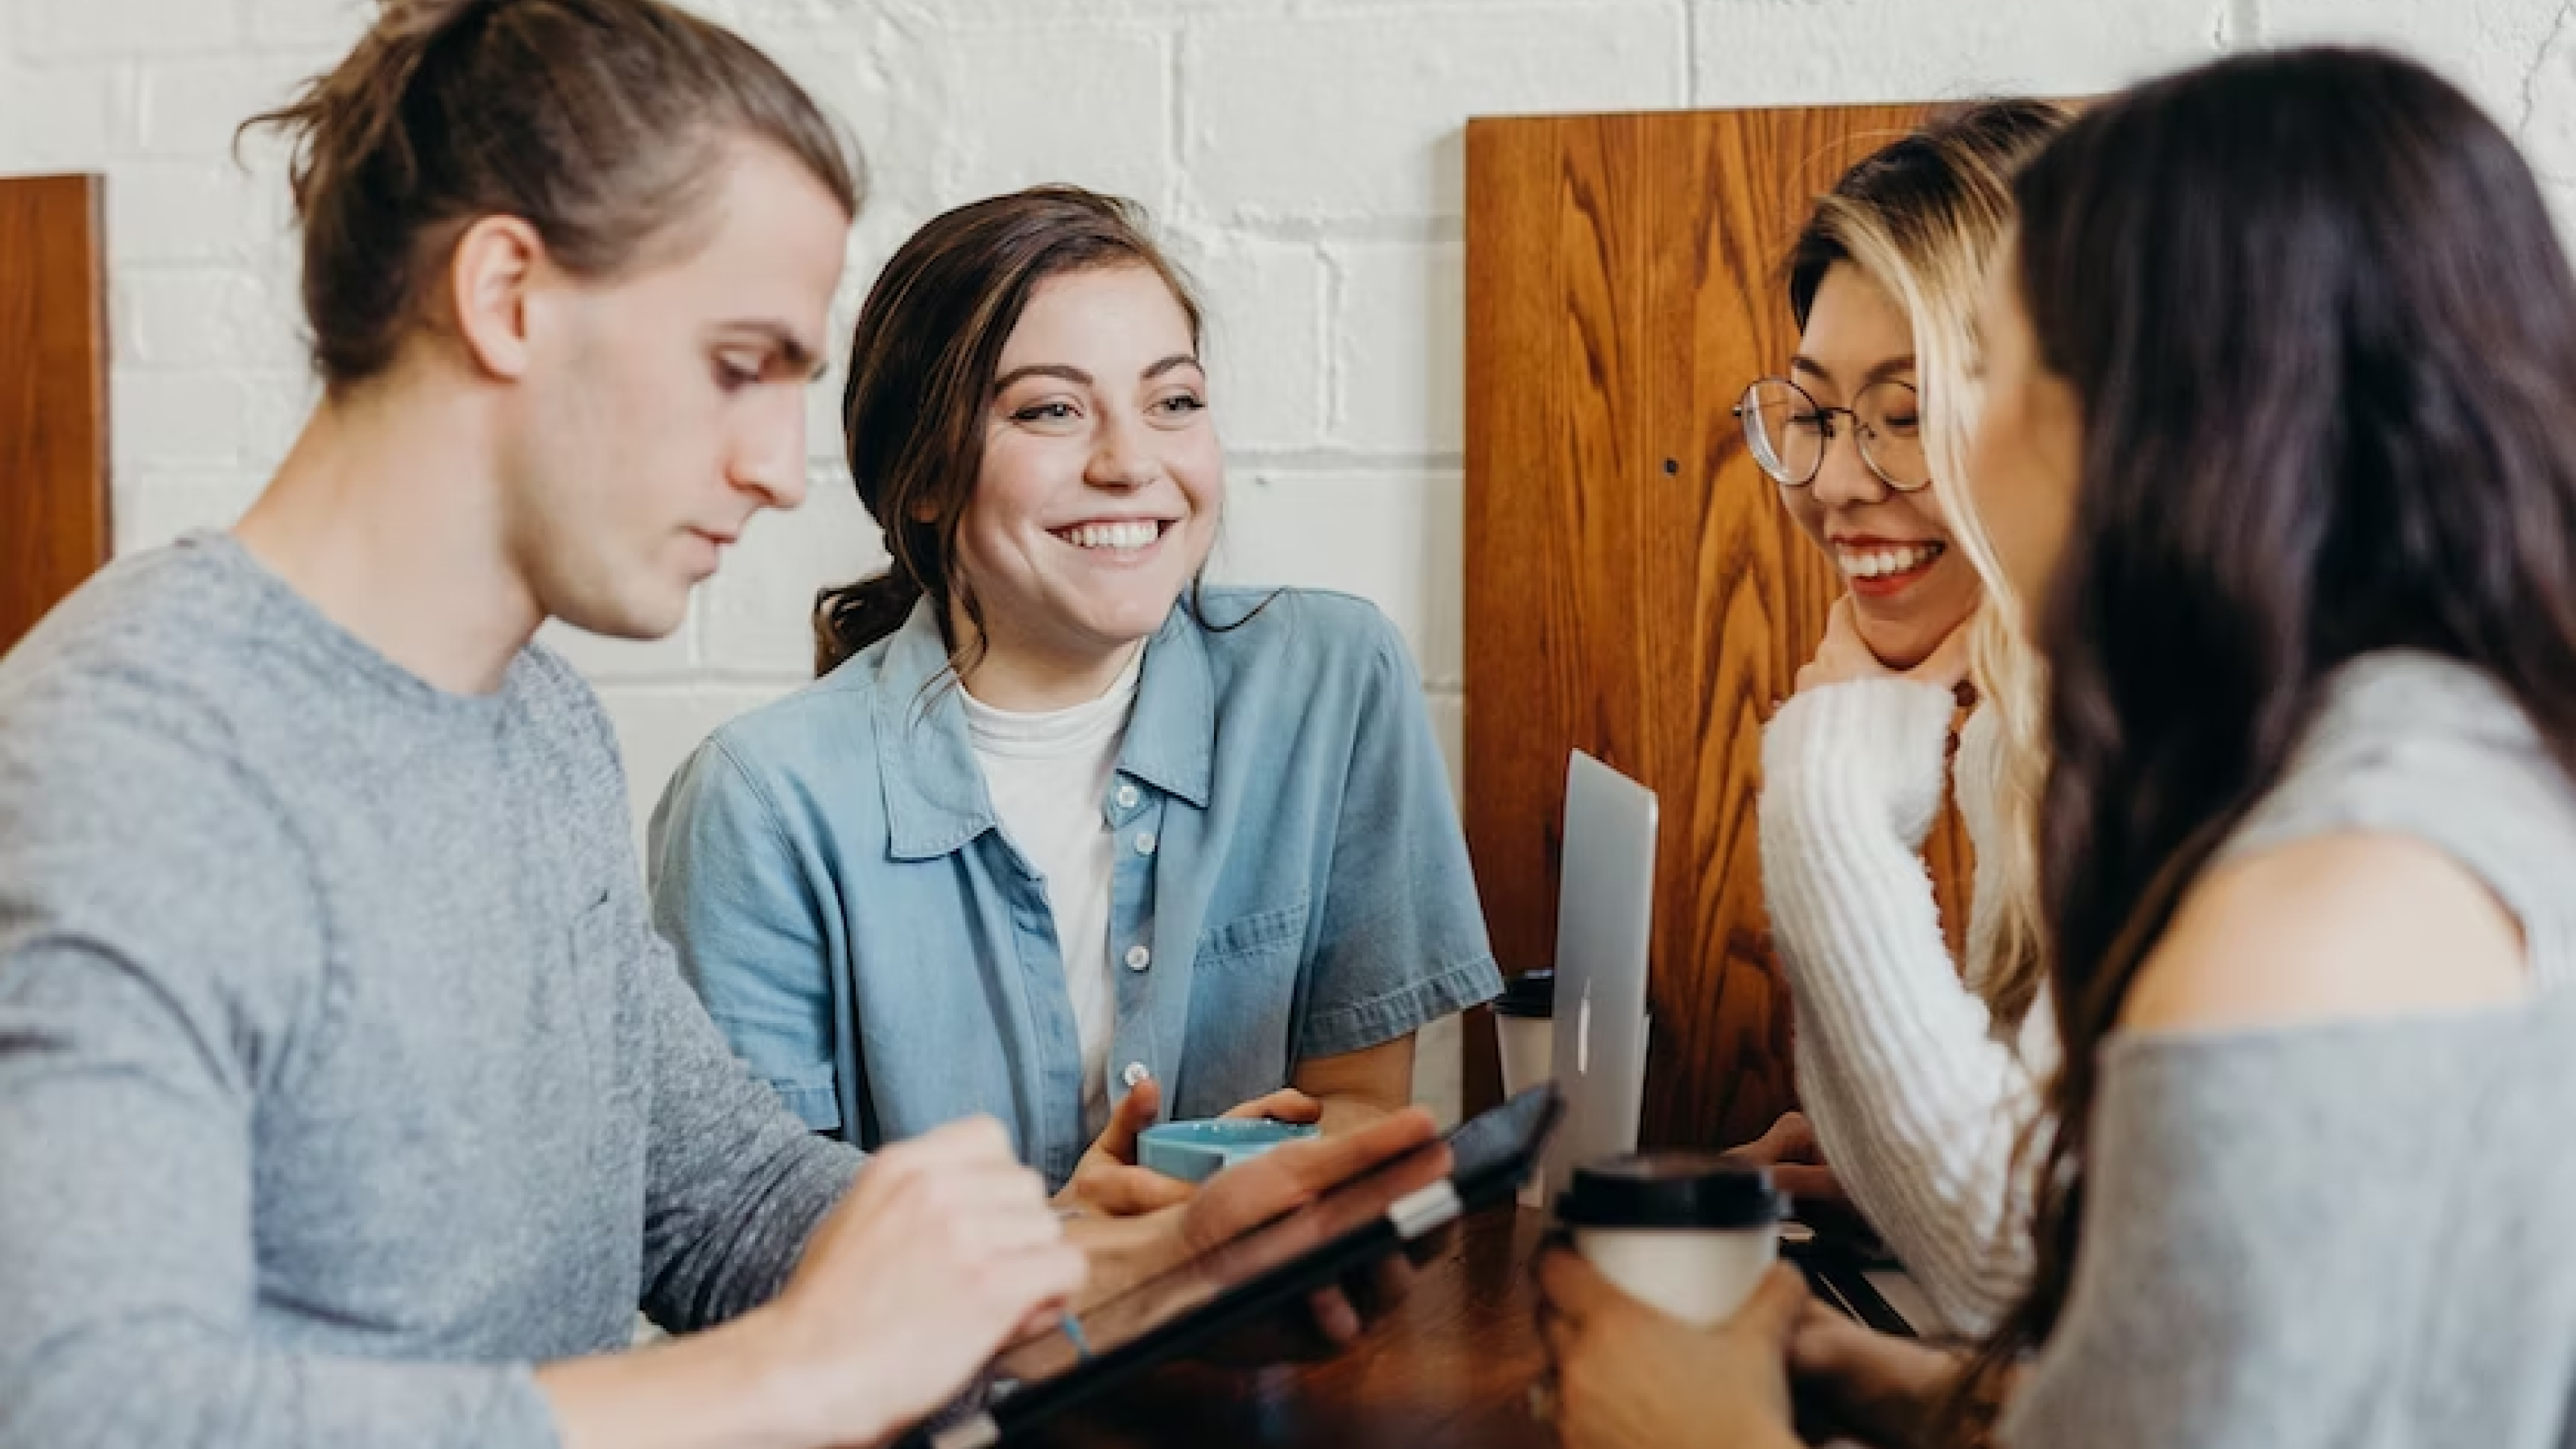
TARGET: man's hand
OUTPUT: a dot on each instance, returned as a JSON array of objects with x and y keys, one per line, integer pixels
[
  {"x": 1288, "y": 1177},
  {"x": 1262, "y": 1190},
  {"x": 942, "y": 1251},
  {"x": 1626, "y": 1376},
  {"x": 1108, "y": 1183}
]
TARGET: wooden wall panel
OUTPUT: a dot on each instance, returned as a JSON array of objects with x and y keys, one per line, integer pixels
[
  {"x": 53, "y": 394},
  {"x": 1633, "y": 587}
]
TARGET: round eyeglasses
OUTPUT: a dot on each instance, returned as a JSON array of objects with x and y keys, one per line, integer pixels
[{"x": 1790, "y": 432}]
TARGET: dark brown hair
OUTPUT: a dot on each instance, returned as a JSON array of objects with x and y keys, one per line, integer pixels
[
  {"x": 922, "y": 360},
  {"x": 2324, "y": 342},
  {"x": 596, "y": 121}
]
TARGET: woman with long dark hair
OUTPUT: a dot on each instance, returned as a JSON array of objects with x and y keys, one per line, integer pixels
[{"x": 2279, "y": 381}]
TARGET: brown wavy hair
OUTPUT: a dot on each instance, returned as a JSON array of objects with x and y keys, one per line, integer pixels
[
  {"x": 2324, "y": 341},
  {"x": 922, "y": 360},
  {"x": 599, "y": 122}
]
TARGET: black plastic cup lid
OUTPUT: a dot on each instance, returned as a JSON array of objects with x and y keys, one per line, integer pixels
[
  {"x": 1532, "y": 993},
  {"x": 1670, "y": 1190}
]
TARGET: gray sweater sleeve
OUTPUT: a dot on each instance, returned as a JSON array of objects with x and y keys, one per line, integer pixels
[
  {"x": 2286, "y": 1244},
  {"x": 735, "y": 1182},
  {"x": 158, "y": 941},
  {"x": 2348, "y": 1231}
]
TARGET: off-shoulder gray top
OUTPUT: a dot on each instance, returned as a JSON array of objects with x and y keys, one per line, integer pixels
[{"x": 2354, "y": 1233}]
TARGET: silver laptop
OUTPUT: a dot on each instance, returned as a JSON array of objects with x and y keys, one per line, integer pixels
[{"x": 1605, "y": 914}]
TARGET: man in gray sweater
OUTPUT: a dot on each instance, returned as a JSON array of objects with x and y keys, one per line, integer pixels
[{"x": 346, "y": 1095}]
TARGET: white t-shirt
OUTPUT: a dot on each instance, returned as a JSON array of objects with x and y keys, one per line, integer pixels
[{"x": 1048, "y": 774}]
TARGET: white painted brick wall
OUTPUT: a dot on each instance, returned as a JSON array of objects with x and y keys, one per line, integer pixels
[
  {"x": 191, "y": 106},
  {"x": 1074, "y": 98},
  {"x": 63, "y": 115},
  {"x": 1400, "y": 323},
  {"x": 1305, "y": 157},
  {"x": 1870, "y": 50},
  {"x": 1392, "y": 537},
  {"x": 328, "y": 26},
  {"x": 1268, "y": 329},
  {"x": 756, "y": 615},
  {"x": 48, "y": 30},
  {"x": 1325, "y": 114}
]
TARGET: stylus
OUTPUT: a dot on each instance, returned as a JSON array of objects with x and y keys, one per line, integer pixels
[{"x": 1072, "y": 1327}]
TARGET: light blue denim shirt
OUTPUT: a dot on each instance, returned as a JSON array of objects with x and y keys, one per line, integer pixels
[{"x": 841, "y": 894}]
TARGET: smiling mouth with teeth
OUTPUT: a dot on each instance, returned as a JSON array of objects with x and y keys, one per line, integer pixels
[
  {"x": 1124, "y": 537},
  {"x": 1889, "y": 561}
]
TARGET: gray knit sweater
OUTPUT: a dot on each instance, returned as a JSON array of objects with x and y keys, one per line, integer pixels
[
  {"x": 2356, "y": 1233},
  {"x": 342, "y": 1077}
]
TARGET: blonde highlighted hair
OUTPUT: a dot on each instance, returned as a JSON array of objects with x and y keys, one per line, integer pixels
[{"x": 1924, "y": 218}]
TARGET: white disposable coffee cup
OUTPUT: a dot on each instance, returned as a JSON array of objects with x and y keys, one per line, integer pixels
[
  {"x": 1689, "y": 1232},
  {"x": 1526, "y": 1042},
  {"x": 1525, "y": 1033}
]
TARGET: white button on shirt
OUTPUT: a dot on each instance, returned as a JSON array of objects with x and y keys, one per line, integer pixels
[
  {"x": 1135, "y": 1076},
  {"x": 1127, "y": 797},
  {"x": 1138, "y": 958},
  {"x": 1144, "y": 842}
]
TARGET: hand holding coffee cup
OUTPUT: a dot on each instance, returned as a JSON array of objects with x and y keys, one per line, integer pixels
[
  {"x": 1688, "y": 1232},
  {"x": 1622, "y": 1376}
]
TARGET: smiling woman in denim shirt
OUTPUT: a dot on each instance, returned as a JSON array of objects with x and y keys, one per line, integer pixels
[{"x": 1062, "y": 834}]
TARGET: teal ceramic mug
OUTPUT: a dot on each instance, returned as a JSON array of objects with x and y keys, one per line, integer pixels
[{"x": 1196, "y": 1151}]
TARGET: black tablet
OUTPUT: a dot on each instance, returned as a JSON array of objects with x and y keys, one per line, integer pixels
[{"x": 1188, "y": 1307}]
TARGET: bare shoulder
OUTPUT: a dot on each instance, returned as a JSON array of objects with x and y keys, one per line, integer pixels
[{"x": 2352, "y": 924}]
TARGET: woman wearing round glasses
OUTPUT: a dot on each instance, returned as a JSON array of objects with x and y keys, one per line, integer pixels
[
  {"x": 1864, "y": 504},
  {"x": 1916, "y": 1085}
]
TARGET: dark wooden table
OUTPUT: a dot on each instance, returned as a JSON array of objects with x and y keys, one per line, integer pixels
[{"x": 1450, "y": 1368}]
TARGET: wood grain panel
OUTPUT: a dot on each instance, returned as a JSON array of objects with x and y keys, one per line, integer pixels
[
  {"x": 1633, "y": 587},
  {"x": 53, "y": 395}
]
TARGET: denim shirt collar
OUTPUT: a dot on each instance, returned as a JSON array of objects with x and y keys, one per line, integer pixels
[{"x": 935, "y": 799}]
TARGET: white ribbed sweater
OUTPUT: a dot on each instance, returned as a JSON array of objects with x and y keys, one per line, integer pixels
[{"x": 1915, "y": 1101}]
